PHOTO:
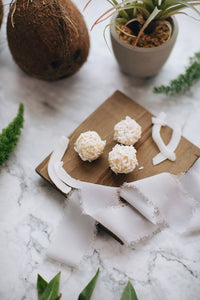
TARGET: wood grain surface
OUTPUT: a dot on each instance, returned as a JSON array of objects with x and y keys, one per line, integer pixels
[{"x": 114, "y": 109}]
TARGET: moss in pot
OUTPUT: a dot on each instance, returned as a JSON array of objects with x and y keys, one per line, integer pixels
[{"x": 144, "y": 32}]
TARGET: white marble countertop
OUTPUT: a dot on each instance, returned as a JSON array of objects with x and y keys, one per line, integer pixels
[{"x": 165, "y": 267}]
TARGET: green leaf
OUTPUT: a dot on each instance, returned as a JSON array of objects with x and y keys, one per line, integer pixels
[
  {"x": 41, "y": 286},
  {"x": 129, "y": 293},
  {"x": 148, "y": 21},
  {"x": 88, "y": 290},
  {"x": 50, "y": 292},
  {"x": 10, "y": 135}
]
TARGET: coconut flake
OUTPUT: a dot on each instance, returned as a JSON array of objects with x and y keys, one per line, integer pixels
[
  {"x": 166, "y": 151},
  {"x": 141, "y": 168},
  {"x": 56, "y": 156}
]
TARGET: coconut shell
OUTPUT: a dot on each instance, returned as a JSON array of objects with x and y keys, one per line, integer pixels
[
  {"x": 1, "y": 12},
  {"x": 48, "y": 39}
]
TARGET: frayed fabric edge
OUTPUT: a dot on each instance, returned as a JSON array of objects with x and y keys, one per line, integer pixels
[{"x": 148, "y": 201}]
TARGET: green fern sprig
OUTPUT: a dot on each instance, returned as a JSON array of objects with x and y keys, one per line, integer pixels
[
  {"x": 183, "y": 82},
  {"x": 10, "y": 135}
]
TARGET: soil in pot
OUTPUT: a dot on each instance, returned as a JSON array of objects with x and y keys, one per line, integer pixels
[{"x": 155, "y": 37}]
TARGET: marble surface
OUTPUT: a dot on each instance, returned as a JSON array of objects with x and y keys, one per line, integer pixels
[{"x": 165, "y": 267}]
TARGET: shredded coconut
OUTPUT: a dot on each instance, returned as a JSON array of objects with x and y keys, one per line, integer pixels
[
  {"x": 127, "y": 131},
  {"x": 122, "y": 159},
  {"x": 89, "y": 145}
]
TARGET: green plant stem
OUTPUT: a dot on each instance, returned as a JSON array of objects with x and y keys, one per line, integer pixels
[
  {"x": 183, "y": 82},
  {"x": 10, "y": 135}
]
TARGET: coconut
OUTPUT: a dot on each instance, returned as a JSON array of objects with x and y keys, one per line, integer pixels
[
  {"x": 48, "y": 39},
  {"x": 1, "y": 12}
]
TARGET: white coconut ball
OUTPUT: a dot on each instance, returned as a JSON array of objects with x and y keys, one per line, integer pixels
[
  {"x": 127, "y": 132},
  {"x": 89, "y": 145},
  {"x": 122, "y": 159}
]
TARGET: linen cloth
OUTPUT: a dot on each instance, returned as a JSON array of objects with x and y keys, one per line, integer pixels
[{"x": 150, "y": 204}]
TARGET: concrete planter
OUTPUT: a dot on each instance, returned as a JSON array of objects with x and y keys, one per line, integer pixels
[{"x": 141, "y": 62}]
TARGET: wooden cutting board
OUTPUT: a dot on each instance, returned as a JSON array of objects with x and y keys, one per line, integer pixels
[{"x": 114, "y": 109}]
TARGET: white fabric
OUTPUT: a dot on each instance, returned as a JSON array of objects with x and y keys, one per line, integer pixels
[
  {"x": 191, "y": 183},
  {"x": 150, "y": 204},
  {"x": 166, "y": 195},
  {"x": 194, "y": 224},
  {"x": 103, "y": 204},
  {"x": 129, "y": 226},
  {"x": 73, "y": 236},
  {"x": 142, "y": 204},
  {"x": 166, "y": 152}
]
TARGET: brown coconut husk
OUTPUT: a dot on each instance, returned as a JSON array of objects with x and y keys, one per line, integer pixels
[
  {"x": 48, "y": 39},
  {"x": 1, "y": 12}
]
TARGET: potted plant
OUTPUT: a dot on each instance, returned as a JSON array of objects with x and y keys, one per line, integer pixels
[{"x": 143, "y": 32}]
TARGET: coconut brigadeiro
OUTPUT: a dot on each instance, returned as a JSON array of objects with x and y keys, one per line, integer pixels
[
  {"x": 89, "y": 145},
  {"x": 127, "y": 131},
  {"x": 48, "y": 39},
  {"x": 122, "y": 159}
]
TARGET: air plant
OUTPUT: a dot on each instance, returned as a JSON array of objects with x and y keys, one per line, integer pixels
[{"x": 145, "y": 13}]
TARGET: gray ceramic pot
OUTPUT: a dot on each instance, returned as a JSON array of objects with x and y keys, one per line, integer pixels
[{"x": 141, "y": 62}]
